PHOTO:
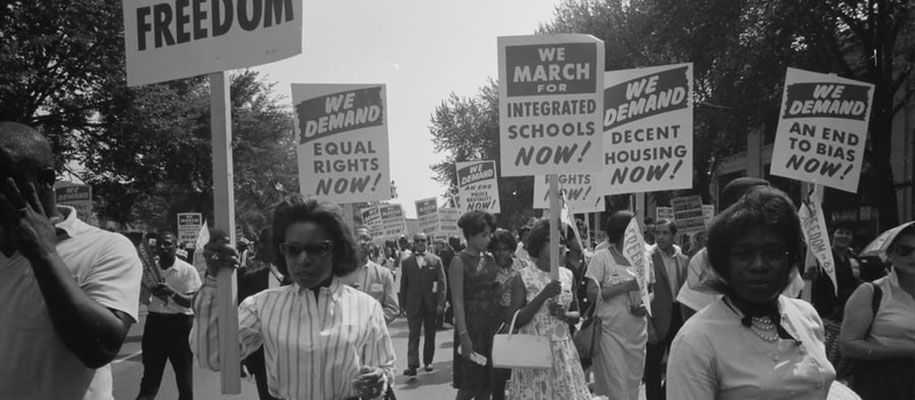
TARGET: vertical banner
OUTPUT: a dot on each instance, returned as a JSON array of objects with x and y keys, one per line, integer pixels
[
  {"x": 664, "y": 213},
  {"x": 813, "y": 224},
  {"x": 478, "y": 185},
  {"x": 634, "y": 251},
  {"x": 342, "y": 142},
  {"x": 77, "y": 196},
  {"x": 822, "y": 129},
  {"x": 189, "y": 227},
  {"x": 580, "y": 194},
  {"x": 550, "y": 104},
  {"x": 688, "y": 213},
  {"x": 447, "y": 222},
  {"x": 427, "y": 214},
  {"x": 393, "y": 222},
  {"x": 648, "y": 129}
]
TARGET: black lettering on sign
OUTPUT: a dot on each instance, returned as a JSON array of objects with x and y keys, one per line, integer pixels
[
  {"x": 646, "y": 96},
  {"x": 339, "y": 112},
  {"x": 826, "y": 100}
]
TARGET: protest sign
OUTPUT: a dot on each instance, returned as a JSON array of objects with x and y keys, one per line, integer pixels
[
  {"x": 478, "y": 185},
  {"x": 580, "y": 193},
  {"x": 688, "y": 213},
  {"x": 189, "y": 227},
  {"x": 550, "y": 104},
  {"x": 181, "y": 38},
  {"x": 708, "y": 213},
  {"x": 393, "y": 222},
  {"x": 77, "y": 196},
  {"x": 648, "y": 129},
  {"x": 447, "y": 222},
  {"x": 427, "y": 215},
  {"x": 813, "y": 224},
  {"x": 342, "y": 142},
  {"x": 371, "y": 218},
  {"x": 664, "y": 213},
  {"x": 634, "y": 252},
  {"x": 822, "y": 129}
]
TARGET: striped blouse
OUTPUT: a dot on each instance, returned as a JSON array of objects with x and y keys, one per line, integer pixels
[{"x": 314, "y": 346}]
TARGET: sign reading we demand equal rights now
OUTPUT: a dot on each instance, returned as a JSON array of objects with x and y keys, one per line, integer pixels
[
  {"x": 167, "y": 40},
  {"x": 580, "y": 193},
  {"x": 550, "y": 104},
  {"x": 648, "y": 129},
  {"x": 343, "y": 142},
  {"x": 822, "y": 129}
]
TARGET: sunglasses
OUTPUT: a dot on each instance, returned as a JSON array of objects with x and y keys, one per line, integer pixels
[
  {"x": 903, "y": 250},
  {"x": 312, "y": 249}
]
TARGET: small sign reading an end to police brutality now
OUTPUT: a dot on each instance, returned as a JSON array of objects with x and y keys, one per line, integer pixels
[
  {"x": 822, "y": 129},
  {"x": 550, "y": 104},
  {"x": 478, "y": 185},
  {"x": 176, "y": 39},
  {"x": 342, "y": 146},
  {"x": 648, "y": 129},
  {"x": 580, "y": 193}
]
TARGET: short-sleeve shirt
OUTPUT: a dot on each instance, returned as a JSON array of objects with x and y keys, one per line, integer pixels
[
  {"x": 182, "y": 277},
  {"x": 34, "y": 362}
]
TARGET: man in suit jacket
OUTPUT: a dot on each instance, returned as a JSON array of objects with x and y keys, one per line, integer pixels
[
  {"x": 669, "y": 267},
  {"x": 422, "y": 297}
]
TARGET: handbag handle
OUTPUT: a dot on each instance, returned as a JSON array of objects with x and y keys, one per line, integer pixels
[{"x": 511, "y": 328}]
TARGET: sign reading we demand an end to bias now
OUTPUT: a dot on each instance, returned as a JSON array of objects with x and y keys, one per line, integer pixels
[
  {"x": 822, "y": 129},
  {"x": 342, "y": 142},
  {"x": 550, "y": 104},
  {"x": 175, "y": 39},
  {"x": 478, "y": 185},
  {"x": 648, "y": 129}
]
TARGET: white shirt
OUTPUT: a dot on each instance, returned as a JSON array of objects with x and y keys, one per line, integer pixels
[
  {"x": 34, "y": 362},
  {"x": 378, "y": 282},
  {"x": 313, "y": 348},
  {"x": 182, "y": 277}
]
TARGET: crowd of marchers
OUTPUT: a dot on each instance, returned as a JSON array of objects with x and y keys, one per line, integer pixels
[{"x": 727, "y": 319}]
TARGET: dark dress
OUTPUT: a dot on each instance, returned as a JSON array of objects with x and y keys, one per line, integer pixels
[{"x": 482, "y": 319}]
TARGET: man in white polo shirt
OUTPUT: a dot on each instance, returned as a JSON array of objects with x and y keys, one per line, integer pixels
[
  {"x": 165, "y": 335},
  {"x": 68, "y": 291}
]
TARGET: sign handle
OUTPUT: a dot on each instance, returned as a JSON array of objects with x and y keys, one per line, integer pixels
[
  {"x": 554, "y": 226},
  {"x": 224, "y": 219}
]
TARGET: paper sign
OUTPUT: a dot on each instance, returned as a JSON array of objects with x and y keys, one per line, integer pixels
[
  {"x": 550, "y": 104},
  {"x": 478, "y": 185},
  {"x": 822, "y": 129},
  {"x": 77, "y": 196},
  {"x": 664, "y": 213},
  {"x": 688, "y": 213},
  {"x": 342, "y": 142},
  {"x": 393, "y": 223},
  {"x": 189, "y": 227},
  {"x": 371, "y": 217},
  {"x": 813, "y": 224},
  {"x": 176, "y": 39},
  {"x": 447, "y": 222},
  {"x": 634, "y": 252},
  {"x": 427, "y": 214},
  {"x": 579, "y": 190},
  {"x": 648, "y": 129}
]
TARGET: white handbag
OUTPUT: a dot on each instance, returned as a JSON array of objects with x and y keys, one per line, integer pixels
[{"x": 521, "y": 351}]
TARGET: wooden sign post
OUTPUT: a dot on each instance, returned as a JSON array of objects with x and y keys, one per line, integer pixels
[{"x": 555, "y": 209}]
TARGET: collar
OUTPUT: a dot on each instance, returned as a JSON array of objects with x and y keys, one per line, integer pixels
[
  {"x": 334, "y": 291},
  {"x": 70, "y": 225}
]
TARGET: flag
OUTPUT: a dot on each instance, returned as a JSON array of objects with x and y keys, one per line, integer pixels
[{"x": 634, "y": 251}]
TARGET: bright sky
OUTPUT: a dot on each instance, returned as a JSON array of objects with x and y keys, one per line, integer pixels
[{"x": 422, "y": 50}]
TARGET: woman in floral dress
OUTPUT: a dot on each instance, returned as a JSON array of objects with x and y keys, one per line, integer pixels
[{"x": 539, "y": 314}]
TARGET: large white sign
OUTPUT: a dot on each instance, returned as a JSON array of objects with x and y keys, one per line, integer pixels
[
  {"x": 342, "y": 142},
  {"x": 176, "y": 39},
  {"x": 550, "y": 104},
  {"x": 478, "y": 185},
  {"x": 580, "y": 194},
  {"x": 822, "y": 129},
  {"x": 648, "y": 129},
  {"x": 189, "y": 227},
  {"x": 427, "y": 215}
]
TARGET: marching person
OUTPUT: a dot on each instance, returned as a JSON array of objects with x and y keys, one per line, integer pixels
[
  {"x": 422, "y": 293},
  {"x": 823, "y": 297},
  {"x": 373, "y": 279},
  {"x": 323, "y": 340},
  {"x": 169, "y": 322},
  {"x": 501, "y": 246},
  {"x": 69, "y": 292}
]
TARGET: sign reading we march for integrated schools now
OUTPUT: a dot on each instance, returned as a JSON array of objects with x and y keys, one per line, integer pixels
[
  {"x": 342, "y": 142},
  {"x": 478, "y": 185},
  {"x": 648, "y": 129},
  {"x": 580, "y": 193},
  {"x": 550, "y": 104},
  {"x": 168, "y": 40},
  {"x": 822, "y": 129}
]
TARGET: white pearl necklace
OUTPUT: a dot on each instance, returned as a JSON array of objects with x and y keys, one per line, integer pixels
[{"x": 764, "y": 328}]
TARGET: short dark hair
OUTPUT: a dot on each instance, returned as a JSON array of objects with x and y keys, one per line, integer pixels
[
  {"x": 503, "y": 237},
  {"x": 765, "y": 207},
  {"x": 665, "y": 221},
  {"x": 538, "y": 237},
  {"x": 476, "y": 221},
  {"x": 737, "y": 188},
  {"x": 616, "y": 225},
  {"x": 846, "y": 224},
  {"x": 296, "y": 209},
  {"x": 454, "y": 241}
]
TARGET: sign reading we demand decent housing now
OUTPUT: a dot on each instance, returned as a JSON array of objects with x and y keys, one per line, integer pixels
[
  {"x": 648, "y": 129},
  {"x": 822, "y": 129},
  {"x": 343, "y": 142},
  {"x": 550, "y": 104},
  {"x": 176, "y": 39}
]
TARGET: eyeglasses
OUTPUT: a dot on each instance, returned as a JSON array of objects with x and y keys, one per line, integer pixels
[
  {"x": 903, "y": 250},
  {"x": 746, "y": 255},
  {"x": 312, "y": 249}
]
